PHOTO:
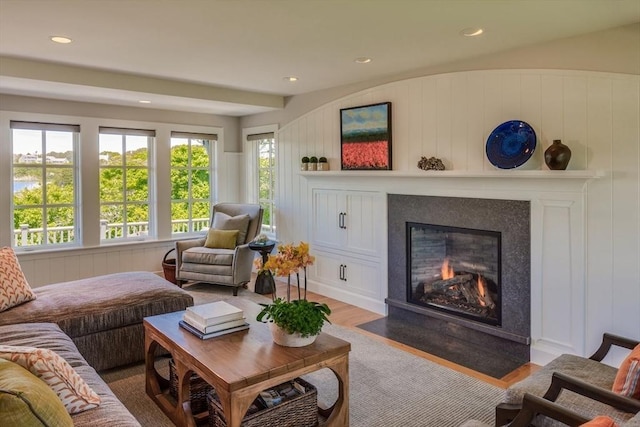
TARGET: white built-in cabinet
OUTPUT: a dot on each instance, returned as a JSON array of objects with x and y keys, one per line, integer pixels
[{"x": 349, "y": 245}]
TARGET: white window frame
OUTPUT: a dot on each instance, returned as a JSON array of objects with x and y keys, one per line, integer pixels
[
  {"x": 151, "y": 178},
  {"x": 250, "y": 150},
  {"x": 42, "y": 166},
  {"x": 211, "y": 151}
]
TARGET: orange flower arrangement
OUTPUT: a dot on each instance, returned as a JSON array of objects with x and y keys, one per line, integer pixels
[{"x": 289, "y": 260}]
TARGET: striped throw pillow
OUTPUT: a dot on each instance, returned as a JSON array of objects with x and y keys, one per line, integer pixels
[
  {"x": 47, "y": 365},
  {"x": 14, "y": 289},
  {"x": 627, "y": 382}
]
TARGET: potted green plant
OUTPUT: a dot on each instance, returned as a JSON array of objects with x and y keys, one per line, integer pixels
[
  {"x": 293, "y": 323},
  {"x": 323, "y": 165},
  {"x": 305, "y": 164},
  {"x": 313, "y": 161}
]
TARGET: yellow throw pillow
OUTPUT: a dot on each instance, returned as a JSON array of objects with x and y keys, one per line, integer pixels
[
  {"x": 221, "y": 239},
  {"x": 25, "y": 400},
  {"x": 14, "y": 289},
  {"x": 73, "y": 391}
]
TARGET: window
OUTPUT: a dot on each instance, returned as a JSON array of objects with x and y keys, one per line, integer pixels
[
  {"x": 125, "y": 190},
  {"x": 45, "y": 202},
  {"x": 266, "y": 178},
  {"x": 191, "y": 181}
]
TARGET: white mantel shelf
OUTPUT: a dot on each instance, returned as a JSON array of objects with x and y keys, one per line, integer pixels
[{"x": 520, "y": 174}]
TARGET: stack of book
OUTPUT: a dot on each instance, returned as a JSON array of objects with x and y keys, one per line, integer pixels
[{"x": 213, "y": 319}]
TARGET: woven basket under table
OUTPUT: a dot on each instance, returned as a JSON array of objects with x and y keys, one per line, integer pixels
[
  {"x": 297, "y": 411},
  {"x": 197, "y": 387}
]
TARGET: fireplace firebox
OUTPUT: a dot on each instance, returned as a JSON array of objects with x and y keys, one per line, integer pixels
[{"x": 455, "y": 270}]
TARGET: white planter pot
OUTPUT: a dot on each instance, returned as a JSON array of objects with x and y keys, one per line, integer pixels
[{"x": 285, "y": 339}]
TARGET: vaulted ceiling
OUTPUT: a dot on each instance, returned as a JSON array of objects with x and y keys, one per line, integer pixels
[{"x": 232, "y": 56}]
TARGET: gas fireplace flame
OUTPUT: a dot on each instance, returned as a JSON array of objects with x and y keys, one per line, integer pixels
[
  {"x": 482, "y": 291},
  {"x": 446, "y": 270}
]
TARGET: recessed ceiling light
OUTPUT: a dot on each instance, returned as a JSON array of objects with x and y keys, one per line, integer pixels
[
  {"x": 362, "y": 60},
  {"x": 472, "y": 32},
  {"x": 60, "y": 39},
  {"x": 290, "y": 79},
  {"x": 144, "y": 101}
]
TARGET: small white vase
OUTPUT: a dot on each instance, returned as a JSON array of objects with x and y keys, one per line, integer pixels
[{"x": 285, "y": 339}]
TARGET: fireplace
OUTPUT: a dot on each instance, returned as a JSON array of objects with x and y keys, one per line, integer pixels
[
  {"x": 455, "y": 270},
  {"x": 488, "y": 238}
]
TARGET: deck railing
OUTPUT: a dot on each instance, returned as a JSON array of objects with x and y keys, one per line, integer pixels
[{"x": 26, "y": 236}]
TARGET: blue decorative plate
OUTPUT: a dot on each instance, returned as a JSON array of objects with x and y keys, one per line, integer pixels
[{"x": 511, "y": 144}]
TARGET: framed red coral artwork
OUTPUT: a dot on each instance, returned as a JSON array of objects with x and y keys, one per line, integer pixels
[{"x": 365, "y": 137}]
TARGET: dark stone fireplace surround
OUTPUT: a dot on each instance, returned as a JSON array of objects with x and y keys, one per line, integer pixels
[{"x": 509, "y": 217}]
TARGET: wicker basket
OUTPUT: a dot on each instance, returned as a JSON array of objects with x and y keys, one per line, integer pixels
[
  {"x": 197, "y": 387},
  {"x": 298, "y": 411},
  {"x": 169, "y": 267}
]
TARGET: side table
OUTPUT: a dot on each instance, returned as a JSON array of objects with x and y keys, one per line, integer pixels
[{"x": 264, "y": 282}]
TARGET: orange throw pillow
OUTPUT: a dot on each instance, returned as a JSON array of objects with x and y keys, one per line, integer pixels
[
  {"x": 600, "y": 421},
  {"x": 14, "y": 289},
  {"x": 627, "y": 382}
]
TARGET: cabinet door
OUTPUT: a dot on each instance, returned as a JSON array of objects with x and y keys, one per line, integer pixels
[
  {"x": 362, "y": 277},
  {"x": 363, "y": 222},
  {"x": 353, "y": 275},
  {"x": 327, "y": 269},
  {"x": 327, "y": 207}
]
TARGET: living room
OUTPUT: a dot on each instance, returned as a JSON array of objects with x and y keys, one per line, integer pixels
[{"x": 582, "y": 88}]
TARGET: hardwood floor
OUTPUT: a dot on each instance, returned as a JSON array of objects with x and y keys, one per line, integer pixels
[{"x": 350, "y": 316}]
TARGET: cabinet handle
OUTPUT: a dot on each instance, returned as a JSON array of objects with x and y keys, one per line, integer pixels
[
  {"x": 343, "y": 272},
  {"x": 344, "y": 222},
  {"x": 341, "y": 222}
]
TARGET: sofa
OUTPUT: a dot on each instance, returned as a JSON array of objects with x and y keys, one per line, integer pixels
[{"x": 94, "y": 324}]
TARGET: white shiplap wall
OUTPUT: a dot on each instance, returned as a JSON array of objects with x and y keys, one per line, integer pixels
[{"x": 450, "y": 116}]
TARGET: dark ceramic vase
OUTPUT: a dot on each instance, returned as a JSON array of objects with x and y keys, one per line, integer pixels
[{"x": 557, "y": 156}]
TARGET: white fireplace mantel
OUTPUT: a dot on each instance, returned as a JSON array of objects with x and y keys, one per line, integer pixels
[
  {"x": 516, "y": 174},
  {"x": 558, "y": 229}
]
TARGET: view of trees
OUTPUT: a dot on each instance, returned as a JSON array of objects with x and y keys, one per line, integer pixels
[
  {"x": 113, "y": 191},
  {"x": 28, "y": 201}
]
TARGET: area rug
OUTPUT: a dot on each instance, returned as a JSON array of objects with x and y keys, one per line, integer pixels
[{"x": 388, "y": 387}]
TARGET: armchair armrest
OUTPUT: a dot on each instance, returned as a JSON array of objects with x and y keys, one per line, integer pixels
[
  {"x": 534, "y": 405},
  {"x": 183, "y": 245},
  {"x": 609, "y": 340},
  {"x": 561, "y": 382},
  {"x": 243, "y": 264}
]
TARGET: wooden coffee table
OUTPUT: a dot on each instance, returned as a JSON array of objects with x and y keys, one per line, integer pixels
[{"x": 239, "y": 366}]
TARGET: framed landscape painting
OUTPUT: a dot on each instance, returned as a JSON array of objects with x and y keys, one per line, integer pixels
[{"x": 365, "y": 137}]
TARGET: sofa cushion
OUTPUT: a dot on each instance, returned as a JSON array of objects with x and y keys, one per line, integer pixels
[
  {"x": 627, "y": 381},
  {"x": 202, "y": 255},
  {"x": 102, "y": 303},
  {"x": 14, "y": 289},
  {"x": 25, "y": 400},
  {"x": 111, "y": 411},
  {"x": 47, "y": 365},
  {"x": 222, "y": 221}
]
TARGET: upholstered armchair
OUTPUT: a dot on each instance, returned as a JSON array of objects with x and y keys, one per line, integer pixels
[
  {"x": 588, "y": 386},
  {"x": 222, "y": 257}
]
